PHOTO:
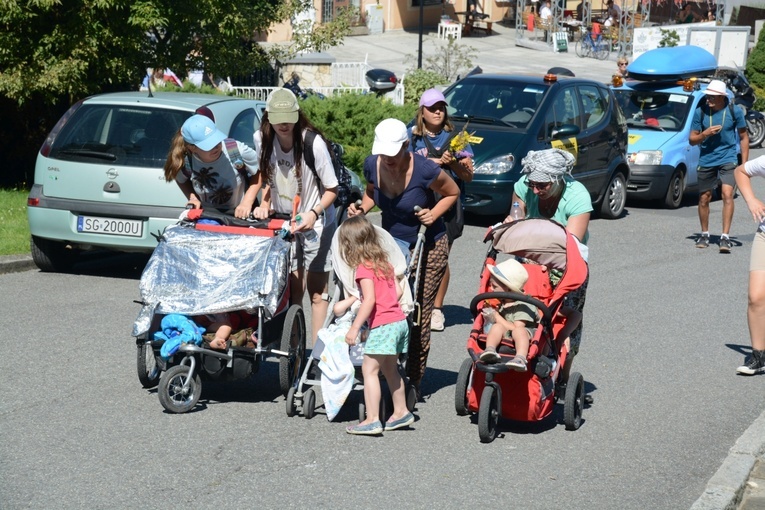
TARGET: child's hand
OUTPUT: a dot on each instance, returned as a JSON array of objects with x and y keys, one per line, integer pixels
[{"x": 350, "y": 337}]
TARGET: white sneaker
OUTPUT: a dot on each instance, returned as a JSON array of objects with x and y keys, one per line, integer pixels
[{"x": 437, "y": 320}]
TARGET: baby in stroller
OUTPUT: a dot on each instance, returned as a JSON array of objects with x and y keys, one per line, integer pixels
[
  {"x": 388, "y": 335},
  {"x": 513, "y": 319}
]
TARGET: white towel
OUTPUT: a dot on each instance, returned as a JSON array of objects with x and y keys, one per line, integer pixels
[{"x": 336, "y": 368}]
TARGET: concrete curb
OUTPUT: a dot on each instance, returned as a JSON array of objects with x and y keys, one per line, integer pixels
[
  {"x": 725, "y": 489},
  {"x": 16, "y": 264}
]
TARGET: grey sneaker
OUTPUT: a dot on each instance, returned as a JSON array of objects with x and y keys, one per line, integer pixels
[
  {"x": 702, "y": 241},
  {"x": 725, "y": 245},
  {"x": 754, "y": 364},
  {"x": 437, "y": 320},
  {"x": 490, "y": 356},
  {"x": 517, "y": 363}
]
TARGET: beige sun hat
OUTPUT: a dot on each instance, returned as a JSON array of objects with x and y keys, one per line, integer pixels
[{"x": 511, "y": 273}]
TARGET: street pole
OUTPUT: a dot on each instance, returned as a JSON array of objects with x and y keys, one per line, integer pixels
[{"x": 419, "y": 52}]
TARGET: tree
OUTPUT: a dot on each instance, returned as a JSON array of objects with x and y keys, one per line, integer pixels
[
  {"x": 755, "y": 71},
  {"x": 55, "y": 52},
  {"x": 80, "y": 47}
]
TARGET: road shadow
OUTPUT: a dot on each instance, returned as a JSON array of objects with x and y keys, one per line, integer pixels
[{"x": 108, "y": 264}]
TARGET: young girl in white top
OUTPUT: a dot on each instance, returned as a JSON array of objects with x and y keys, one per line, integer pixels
[{"x": 280, "y": 144}]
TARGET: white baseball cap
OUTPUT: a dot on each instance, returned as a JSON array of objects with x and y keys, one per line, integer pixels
[{"x": 390, "y": 135}]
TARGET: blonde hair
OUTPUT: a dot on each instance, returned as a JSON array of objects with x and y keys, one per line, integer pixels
[
  {"x": 360, "y": 245},
  {"x": 176, "y": 157}
]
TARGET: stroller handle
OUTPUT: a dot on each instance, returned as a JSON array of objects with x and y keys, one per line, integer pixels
[{"x": 546, "y": 313}]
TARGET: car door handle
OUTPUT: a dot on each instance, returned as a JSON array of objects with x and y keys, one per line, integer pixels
[{"x": 584, "y": 148}]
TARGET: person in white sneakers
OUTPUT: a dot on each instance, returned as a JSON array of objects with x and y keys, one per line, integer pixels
[{"x": 755, "y": 363}]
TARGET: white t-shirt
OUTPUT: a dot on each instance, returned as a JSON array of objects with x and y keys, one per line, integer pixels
[
  {"x": 285, "y": 183},
  {"x": 219, "y": 185},
  {"x": 755, "y": 168},
  {"x": 545, "y": 12}
]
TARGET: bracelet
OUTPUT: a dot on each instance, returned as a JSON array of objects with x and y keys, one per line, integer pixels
[{"x": 317, "y": 214}]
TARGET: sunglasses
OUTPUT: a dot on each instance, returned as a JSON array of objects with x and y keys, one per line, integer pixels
[
  {"x": 436, "y": 107},
  {"x": 541, "y": 186},
  {"x": 620, "y": 64}
]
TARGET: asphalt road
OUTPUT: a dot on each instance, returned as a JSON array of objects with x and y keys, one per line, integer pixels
[{"x": 665, "y": 328}]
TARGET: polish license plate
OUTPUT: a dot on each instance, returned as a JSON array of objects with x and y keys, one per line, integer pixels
[{"x": 112, "y": 226}]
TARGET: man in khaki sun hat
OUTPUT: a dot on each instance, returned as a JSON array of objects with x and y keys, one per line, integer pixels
[{"x": 718, "y": 127}]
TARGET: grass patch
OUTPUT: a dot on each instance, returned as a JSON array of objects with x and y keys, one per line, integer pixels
[{"x": 14, "y": 228}]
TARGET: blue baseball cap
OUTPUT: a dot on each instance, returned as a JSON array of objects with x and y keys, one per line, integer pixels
[{"x": 201, "y": 131}]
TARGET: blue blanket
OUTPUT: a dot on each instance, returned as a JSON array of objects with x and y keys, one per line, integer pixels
[{"x": 176, "y": 330}]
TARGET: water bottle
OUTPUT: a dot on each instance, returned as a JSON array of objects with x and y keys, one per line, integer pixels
[
  {"x": 516, "y": 213},
  {"x": 488, "y": 318},
  {"x": 309, "y": 235}
]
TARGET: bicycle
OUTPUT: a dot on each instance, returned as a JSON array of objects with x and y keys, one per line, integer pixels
[{"x": 592, "y": 45}]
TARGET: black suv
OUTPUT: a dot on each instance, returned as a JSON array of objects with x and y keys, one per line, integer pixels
[{"x": 511, "y": 115}]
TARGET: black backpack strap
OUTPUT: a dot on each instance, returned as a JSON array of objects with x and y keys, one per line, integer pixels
[
  {"x": 432, "y": 152},
  {"x": 308, "y": 157}
]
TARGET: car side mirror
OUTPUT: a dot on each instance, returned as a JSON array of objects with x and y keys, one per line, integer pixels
[{"x": 564, "y": 130}]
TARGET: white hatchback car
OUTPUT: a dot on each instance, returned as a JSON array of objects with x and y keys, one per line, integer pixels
[{"x": 99, "y": 181}]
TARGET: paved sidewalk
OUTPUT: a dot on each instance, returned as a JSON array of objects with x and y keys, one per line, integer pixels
[{"x": 396, "y": 51}]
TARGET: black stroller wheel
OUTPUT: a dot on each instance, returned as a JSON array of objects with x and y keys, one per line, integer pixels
[
  {"x": 293, "y": 341},
  {"x": 460, "y": 391},
  {"x": 574, "y": 401},
  {"x": 291, "y": 402},
  {"x": 309, "y": 403},
  {"x": 172, "y": 394},
  {"x": 488, "y": 415},
  {"x": 411, "y": 397},
  {"x": 148, "y": 371}
]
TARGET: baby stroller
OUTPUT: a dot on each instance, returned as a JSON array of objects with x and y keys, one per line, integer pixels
[
  {"x": 303, "y": 396},
  {"x": 210, "y": 267},
  {"x": 494, "y": 390}
]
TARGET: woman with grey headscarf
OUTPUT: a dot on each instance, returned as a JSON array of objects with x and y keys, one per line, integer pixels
[{"x": 547, "y": 190}]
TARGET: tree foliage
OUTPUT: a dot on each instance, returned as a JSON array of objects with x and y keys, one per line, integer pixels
[
  {"x": 79, "y": 47},
  {"x": 755, "y": 71},
  {"x": 350, "y": 119}
]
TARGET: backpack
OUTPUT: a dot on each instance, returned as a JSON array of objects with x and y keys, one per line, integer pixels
[
  {"x": 233, "y": 155},
  {"x": 341, "y": 171}
]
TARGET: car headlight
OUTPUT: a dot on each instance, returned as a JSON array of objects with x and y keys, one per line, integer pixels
[
  {"x": 646, "y": 158},
  {"x": 498, "y": 165}
]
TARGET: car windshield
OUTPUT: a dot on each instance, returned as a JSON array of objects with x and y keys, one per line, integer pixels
[
  {"x": 118, "y": 135},
  {"x": 661, "y": 111},
  {"x": 509, "y": 103}
]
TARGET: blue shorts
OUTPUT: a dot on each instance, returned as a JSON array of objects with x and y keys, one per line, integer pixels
[{"x": 388, "y": 339}]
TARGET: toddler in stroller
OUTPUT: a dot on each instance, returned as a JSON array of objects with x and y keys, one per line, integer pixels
[
  {"x": 342, "y": 368},
  {"x": 512, "y": 320},
  {"x": 231, "y": 278},
  {"x": 551, "y": 258}
]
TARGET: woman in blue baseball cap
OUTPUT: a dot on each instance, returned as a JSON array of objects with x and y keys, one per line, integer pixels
[{"x": 212, "y": 171}]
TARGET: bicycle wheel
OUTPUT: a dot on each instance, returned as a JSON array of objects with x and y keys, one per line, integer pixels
[
  {"x": 580, "y": 47},
  {"x": 602, "y": 49}
]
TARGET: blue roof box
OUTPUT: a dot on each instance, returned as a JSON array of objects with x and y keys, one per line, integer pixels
[{"x": 675, "y": 63}]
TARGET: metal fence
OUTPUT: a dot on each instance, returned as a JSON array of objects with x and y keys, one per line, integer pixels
[{"x": 347, "y": 78}]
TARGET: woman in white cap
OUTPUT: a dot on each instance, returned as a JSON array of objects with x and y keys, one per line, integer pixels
[
  {"x": 281, "y": 144},
  {"x": 201, "y": 163},
  {"x": 547, "y": 190},
  {"x": 431, "y": 136},
  {"x": 404, "y": 186}
]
